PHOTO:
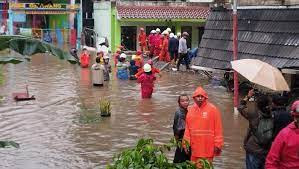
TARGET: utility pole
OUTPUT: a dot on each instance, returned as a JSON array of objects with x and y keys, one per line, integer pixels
[{"x": 235, "y": 53}]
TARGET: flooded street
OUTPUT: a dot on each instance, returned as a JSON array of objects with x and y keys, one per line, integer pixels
[{"x": 51, "y": 134}]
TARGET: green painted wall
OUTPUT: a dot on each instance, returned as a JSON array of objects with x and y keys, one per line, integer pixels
[
  {"x": 115, "y": 30},
  {"x": 59, "y": 21},
  {"x": 154, "y": 22},
  {"x": 178, "y": 23}
]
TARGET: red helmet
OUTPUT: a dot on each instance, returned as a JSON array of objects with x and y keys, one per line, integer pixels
[
  {"x": 150, "y": 62},
  {"x": 295, "y": 108}
]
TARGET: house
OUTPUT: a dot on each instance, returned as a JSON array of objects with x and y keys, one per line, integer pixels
[
  {"x": 120, "y": 21},
  {"x": 267, "y": 33}
]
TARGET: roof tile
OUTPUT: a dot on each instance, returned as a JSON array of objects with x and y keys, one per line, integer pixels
[{"x": 162, "y": 12}]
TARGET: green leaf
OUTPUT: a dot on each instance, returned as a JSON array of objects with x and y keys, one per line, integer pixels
[
  {"x": 28, "y": 46},
  {"x": 5, "y": 144}
]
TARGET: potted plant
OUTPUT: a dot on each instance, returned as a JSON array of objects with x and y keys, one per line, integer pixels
[{"x": 105, "y": 108}]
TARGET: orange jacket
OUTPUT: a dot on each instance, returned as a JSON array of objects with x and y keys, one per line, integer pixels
[
  {"x": 165, "y": 44},
  {"x": 84, "y": 60},
  {"x": 141, "y": 71},
  {"x": 203, "y": 130},
  {"x": 142, "y": 38}
]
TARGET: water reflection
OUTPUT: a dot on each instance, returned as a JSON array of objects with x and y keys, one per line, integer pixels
[{"x": 51, "y": 135}]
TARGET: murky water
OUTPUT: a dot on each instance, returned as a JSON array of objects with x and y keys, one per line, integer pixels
[{"x": 50, "y": 132}]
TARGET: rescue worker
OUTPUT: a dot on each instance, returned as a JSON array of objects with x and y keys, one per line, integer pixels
[
  {"x": 142, "y": 40},
  {"x": 164, "y": 54},
  {"x": 203, "y": 131},
  {"x": 157, "y": 42},
  {"x": 151, "y": 43},
  {"x": 154, "y": 69},
  {"x": 284, "y": 152},
  {"x": 139, "y": 59},
  {"x": 147, "y": 82}
]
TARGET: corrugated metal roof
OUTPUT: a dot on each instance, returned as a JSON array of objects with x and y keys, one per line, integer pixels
[{"x": 271, "y": 35}]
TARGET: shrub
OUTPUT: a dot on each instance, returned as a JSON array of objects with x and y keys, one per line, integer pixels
[
  {"x": 146, "y": 155},
  {"x": 105, "y": 107}
]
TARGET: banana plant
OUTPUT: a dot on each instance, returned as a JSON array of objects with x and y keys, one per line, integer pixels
[{"x": 27, "y": 46}]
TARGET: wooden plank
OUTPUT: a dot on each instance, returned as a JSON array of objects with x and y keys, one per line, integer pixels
[
  {"x": 164, "y": 66},
  {"x": 290, "y": 71},
  {"x": 207, "y": 69}
]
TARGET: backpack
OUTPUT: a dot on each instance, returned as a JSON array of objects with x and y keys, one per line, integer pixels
[{"x": 264, "y": 131}]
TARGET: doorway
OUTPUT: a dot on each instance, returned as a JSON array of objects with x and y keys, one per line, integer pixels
[
  {"x": 129, "y": 37},
  {"x": 188, "y": 29},
  {"x": 201, "y": 31}
]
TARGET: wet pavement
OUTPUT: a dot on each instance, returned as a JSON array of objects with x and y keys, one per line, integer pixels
[{"x": 51, "y": 134}]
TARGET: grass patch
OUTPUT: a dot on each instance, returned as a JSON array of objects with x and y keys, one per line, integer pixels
[{"x": 105, "y": 107}]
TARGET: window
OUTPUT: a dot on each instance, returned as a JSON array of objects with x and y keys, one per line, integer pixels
[{"x": 129, "y": 37}]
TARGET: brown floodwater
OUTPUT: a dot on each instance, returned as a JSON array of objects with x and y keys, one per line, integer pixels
[{"x": 51, "y": 134}]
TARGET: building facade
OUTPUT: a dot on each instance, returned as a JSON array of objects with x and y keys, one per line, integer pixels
[
  {"x": 61, "y": 18},
  {"x": 120, "y": 21}
]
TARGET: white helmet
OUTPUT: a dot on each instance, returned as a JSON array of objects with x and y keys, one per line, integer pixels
[
  {"x": 106, "y": 57},
  {"x": 101, "y": 40},
  {"x": 171, "y": 35},
  {"x": 168, "y": 30},
  {"x": 158, "y": 30},
  {"x": 165, "y": 32},
  {"x": 133, "y": 57},
  {"x": 147, "y": 67},
  {"x": 179, "y": 34},
  {"x": 153, "y": 31},
  {"x": 123, "y": 55}
]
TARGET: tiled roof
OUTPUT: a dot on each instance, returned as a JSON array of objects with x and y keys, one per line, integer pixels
[
  {"x": 162, "y": 12},
  {"x": 271, "y": 35}
]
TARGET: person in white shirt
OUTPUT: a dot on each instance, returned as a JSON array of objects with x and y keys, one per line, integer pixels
[{"x": 98, "y": 73}]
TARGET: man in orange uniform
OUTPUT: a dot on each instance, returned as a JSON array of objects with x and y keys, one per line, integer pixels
[
  {"x": 164, "y": 54},
  {"x": 157, "y": 42},
  {"x": 142, "y": 40},
  {"x": 203, "y": 129},
  {"x": 154, "y": 70}
]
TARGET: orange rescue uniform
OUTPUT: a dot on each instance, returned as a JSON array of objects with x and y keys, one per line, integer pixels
[
  {"x": 142, "y": 41},
  {"x": 203, "y": 129},
  {"x": 164, "y": 54}
]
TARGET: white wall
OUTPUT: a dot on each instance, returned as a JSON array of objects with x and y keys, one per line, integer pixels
[{"x": 102, "y": 19}]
